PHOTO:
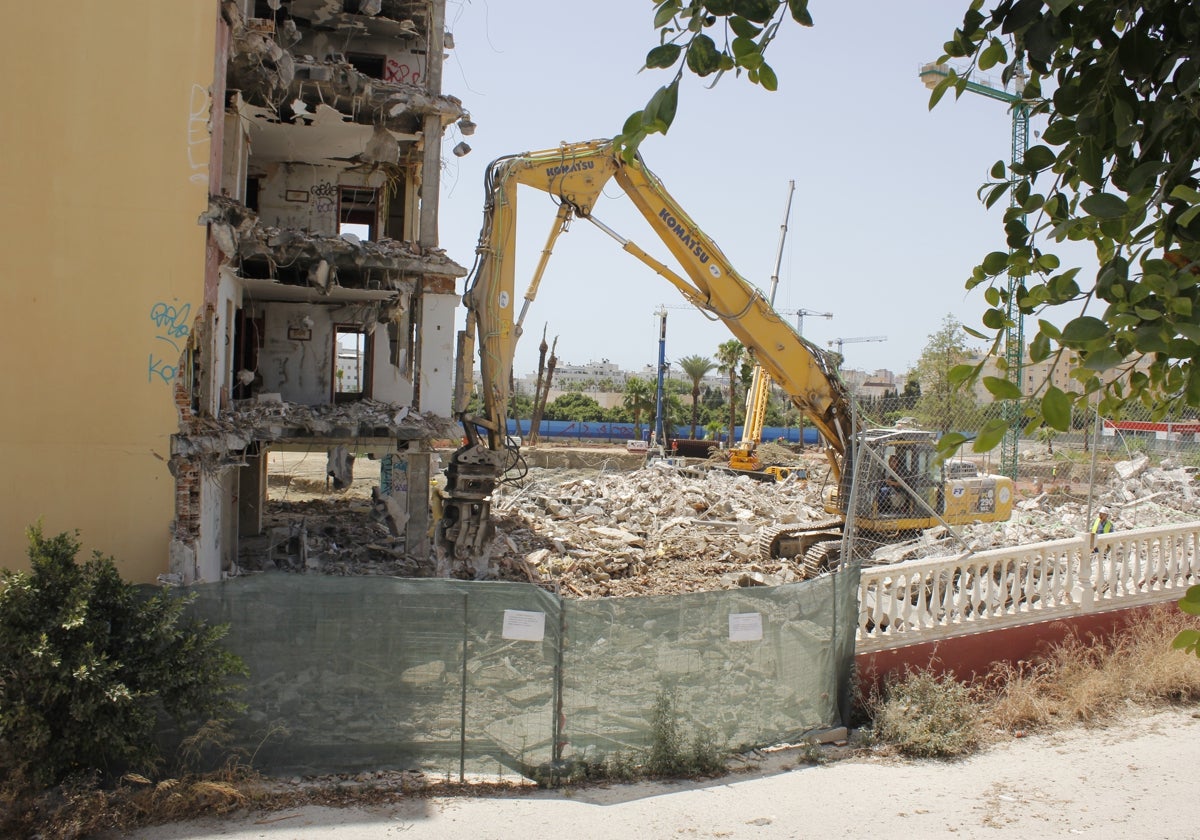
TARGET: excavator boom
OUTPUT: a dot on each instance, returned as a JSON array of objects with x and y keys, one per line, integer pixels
[{"x": 574, "y": 174}]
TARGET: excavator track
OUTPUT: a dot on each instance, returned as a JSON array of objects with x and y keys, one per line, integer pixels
[
  {"x": 796, "y": 539},
  {"x": 821, "y": 557}
]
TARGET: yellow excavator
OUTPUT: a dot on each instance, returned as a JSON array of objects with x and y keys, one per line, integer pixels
[{"x": 901, "y": 486}]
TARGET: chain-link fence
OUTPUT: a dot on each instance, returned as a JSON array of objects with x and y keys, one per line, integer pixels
[{"x": 457, "y": 677}]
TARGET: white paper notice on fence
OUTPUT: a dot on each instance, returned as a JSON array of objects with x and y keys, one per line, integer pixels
[
  {"x": 745, "y": 627},
  {"x": 524, "y": 625}
]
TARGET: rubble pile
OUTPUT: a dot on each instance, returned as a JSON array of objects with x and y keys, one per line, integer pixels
[
  {"x": 663, "y": 530},
  {"x": 319, "y": 536},
  {"x": 651, "y": 531}
]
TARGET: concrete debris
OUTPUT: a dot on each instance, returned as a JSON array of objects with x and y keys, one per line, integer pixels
[
  {"x": 334, "y": 260},
  {"x": 340, "y": 467},
  {"x": 267, "y": 74},
  {"x": 268, "y": 420},
  {"x": 599, "y": 532},
  {"x": 1132, "y": 468}
]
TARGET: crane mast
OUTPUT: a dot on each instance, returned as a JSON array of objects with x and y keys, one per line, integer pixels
[
  {"x": 1014, "y": 331},
  {"x": 743, "y": 456}
]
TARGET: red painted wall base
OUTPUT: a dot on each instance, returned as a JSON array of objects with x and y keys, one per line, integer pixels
[{"x": 966, "y": 657}]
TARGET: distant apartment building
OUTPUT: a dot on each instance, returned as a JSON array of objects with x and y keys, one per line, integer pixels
[
  {"x": 1034, "y": 376},
  {"x": 877, "y": 383}
]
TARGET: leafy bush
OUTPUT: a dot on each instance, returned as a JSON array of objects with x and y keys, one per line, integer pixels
[
  {"x": 670, "y": 755},
  {"x": 89, "y": 663}
]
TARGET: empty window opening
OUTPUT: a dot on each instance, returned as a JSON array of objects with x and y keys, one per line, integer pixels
[
  {"x": 368, "y": 64},
  {"x": 394, "y": 225},
  {"x": 248, "y": 336},
  {"x": 352, "y": 363},
  {"x": 262, "y": 9},
  {"x": 253, "y": 185},
  {"x": 358, "y": 211}
]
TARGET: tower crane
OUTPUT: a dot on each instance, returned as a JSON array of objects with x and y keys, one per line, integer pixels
[
  {"x": 840, "y": 341},
  {"x": 800, "y": 313},
  {"x": 1014, "y": 334}
]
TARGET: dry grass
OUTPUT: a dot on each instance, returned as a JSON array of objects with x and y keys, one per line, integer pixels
[
  {"x": 1088, "y": 681},
  {"x": 1091, "y": 681}
]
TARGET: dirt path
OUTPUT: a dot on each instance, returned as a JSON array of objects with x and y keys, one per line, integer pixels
[{"x": 1131, "y": 781}]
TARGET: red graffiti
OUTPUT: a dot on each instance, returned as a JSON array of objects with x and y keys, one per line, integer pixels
[{"x": 394, "y": 71}]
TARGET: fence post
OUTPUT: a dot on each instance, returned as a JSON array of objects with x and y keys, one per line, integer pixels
[
  {"x": 462, "y": 719},
  {"x": 559, "y": 723}
]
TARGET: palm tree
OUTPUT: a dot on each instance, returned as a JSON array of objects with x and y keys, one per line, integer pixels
[
  {"x": 639, "y": 397},
  {"x": 729, "y": 361},
  {"x": 696, "y": 368}
]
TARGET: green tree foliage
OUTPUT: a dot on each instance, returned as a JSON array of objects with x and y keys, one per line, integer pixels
[
  {"x": 639, "y": 400},
  {"x": 1116, "y": 167},
  {"x": 575, "y": 406},
  {"x": 696, "y": 368},
  {"x": 673, "y": 412},
  {"x": 944, "y": 404},
  {"x": 90, "y": 663},
  {"x": 730, "y": 357},
  {"x": 1189, "y": 640},
  {"x": 708, "y": 38}
]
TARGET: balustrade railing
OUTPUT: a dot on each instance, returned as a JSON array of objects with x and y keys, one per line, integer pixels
[{"x": 924, "y": 600}]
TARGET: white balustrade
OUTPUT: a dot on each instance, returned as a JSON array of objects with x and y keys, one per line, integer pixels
[{"x": 925, "y": 600}]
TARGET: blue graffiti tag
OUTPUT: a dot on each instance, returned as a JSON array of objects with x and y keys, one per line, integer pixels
[
  {"x": 160, "y": 368},
  {"x": 171, "y": 321},
  {"x": 172, "y": 324}
]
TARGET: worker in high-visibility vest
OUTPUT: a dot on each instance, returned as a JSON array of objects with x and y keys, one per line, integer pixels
[{"x": 1102, "y": 524}]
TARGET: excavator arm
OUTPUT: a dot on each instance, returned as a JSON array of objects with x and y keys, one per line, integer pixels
[{"x": 574, "y": 175}]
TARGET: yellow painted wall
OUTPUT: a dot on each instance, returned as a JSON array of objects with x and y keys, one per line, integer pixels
[{"x": 104, "y": 150}]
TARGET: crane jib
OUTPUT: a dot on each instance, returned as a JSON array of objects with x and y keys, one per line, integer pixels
[{"x": 678, "y": 229}]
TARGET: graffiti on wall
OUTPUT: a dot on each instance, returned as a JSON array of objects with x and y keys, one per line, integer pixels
[
  {"x": 394, "y": 71},
  {"x": 198, "y": 137},
  {"x": 324, "y": 193},
  {"x": 171, "y": 326}
]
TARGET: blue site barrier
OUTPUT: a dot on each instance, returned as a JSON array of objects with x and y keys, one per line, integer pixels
[{"x": 621, "y": 432}]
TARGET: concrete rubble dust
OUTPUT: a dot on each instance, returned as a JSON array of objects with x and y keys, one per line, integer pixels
[{"x": 603, "y": 532}]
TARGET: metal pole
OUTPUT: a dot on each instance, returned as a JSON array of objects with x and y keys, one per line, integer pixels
[
  {"x": 659, "y": 429},
  {"x": 559, "y": 722},
  {"x": 462, "y": 718},
  {"x": 852, "y": 448},
  {"x": 1092, "y": 473},
  {"x": 783, "y": 228}
]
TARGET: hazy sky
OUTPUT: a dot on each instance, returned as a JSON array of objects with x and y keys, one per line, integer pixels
[{"x": 885, "y": 224}]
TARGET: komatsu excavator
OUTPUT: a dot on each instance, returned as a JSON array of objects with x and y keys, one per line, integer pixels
[{"x": 901, "y": 487}]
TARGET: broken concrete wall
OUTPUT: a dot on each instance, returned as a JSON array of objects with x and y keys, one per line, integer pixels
[
  {"x": 221, "y": 339},
  {"x": 437, "y": 348},
  {"x": 305, "y": 195},
  {"x": 216, "y": 544},
  {"x": 297, "y": 358},
  {"x": 400, "y": 60},
  {"x": 235, "y": 152},
  {"x": 390, "y": 382}
]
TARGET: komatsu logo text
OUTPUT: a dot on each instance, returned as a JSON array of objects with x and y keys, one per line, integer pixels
[
  {"x": 678, "y": 229},
  {"x": 568, "y": 168}
]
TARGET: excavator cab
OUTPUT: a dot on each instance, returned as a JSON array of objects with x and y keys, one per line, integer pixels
[{"x": 903, "y": 486}]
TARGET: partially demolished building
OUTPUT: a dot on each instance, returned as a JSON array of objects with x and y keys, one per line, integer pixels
[{"x": 319, "y": 312}]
